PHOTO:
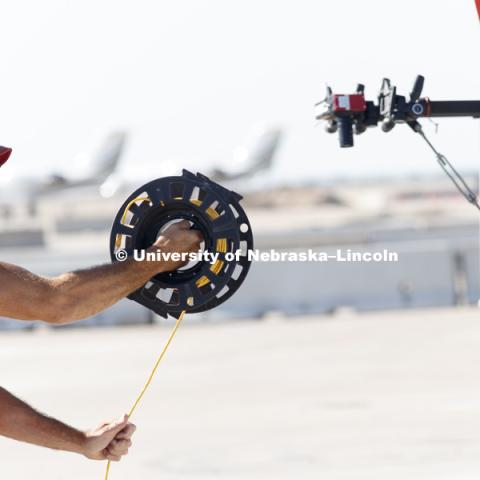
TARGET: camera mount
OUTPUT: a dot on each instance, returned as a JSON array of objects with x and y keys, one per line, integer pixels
[{"x": 352, "y": 113}]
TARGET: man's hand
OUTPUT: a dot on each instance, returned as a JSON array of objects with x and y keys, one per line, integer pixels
[
  {"x": 110, "y": 441},
  {"x": 21, "y": 422},
  {"x": 178, "y": 237}
]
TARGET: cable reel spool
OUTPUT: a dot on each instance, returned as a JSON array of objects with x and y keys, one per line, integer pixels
[{"x": 213, "y": 210}]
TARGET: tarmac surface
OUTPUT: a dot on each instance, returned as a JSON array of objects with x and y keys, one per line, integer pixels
[{"x": 386, "y": 395}]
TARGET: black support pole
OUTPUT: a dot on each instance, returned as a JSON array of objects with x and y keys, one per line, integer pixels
[{"x": 462, "y": 108}]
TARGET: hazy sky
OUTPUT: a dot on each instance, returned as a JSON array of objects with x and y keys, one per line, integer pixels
[{"x": 190, "y": 78}]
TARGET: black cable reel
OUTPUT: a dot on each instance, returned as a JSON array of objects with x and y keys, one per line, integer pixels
[{"x": 213, "y": 210}]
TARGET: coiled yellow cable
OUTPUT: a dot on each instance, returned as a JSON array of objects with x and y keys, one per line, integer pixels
[{"x": 150, "y": 378}]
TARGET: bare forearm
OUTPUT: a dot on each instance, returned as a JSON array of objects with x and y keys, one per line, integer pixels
[
  {"x": 90, "y": 291},
  {"x": 76, "y": 295},
  {"x": 70, "y": 296},
  {"x": 21, "y": 422},
  {"x": 87, "y": 292}
]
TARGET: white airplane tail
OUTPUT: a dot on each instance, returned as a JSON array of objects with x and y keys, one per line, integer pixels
[
  {"x": 258, "y": 157},
  {"x": 106, "y": 160}
]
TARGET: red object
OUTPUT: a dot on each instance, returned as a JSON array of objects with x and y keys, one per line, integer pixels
[
  {"x": 4, "y": 154},
  {"x": 477, "y": 3},
  {"x": 349, "y": 103}
]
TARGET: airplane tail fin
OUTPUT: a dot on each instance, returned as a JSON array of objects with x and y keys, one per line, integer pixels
[
  {"x": 257, "y": 158},
  {"x": 106, "y": 160}
]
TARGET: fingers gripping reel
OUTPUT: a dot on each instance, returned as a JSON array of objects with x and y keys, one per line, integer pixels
[{"x": 210, "y": 208}]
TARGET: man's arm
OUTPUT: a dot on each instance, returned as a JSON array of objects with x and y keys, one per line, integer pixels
[
  {"x": 21, "y": 422},
  {"x": 76, "y": 295}
]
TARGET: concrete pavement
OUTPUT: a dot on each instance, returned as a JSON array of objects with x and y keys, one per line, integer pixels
[{"x": 372, "y": 396}]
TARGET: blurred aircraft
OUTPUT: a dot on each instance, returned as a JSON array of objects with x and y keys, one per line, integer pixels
[
  {"x": 249, "y": 161},
  {"x": 90, "y": 171},
  {"x": 257, "y": 156},
  {"x": 96, "y": 176}
]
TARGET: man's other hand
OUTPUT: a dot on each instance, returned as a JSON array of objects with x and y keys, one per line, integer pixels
[{"x": 110, "y": 441}]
